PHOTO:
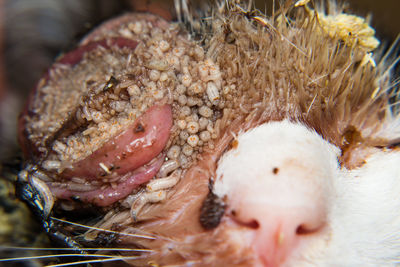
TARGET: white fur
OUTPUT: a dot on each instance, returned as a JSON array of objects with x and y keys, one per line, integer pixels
[
  {"x": 362, "y": 206},
  {"x": 270, "y": 145},
  {"x": 365, "y": 216}
]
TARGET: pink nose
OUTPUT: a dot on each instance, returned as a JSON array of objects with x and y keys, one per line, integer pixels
[
  {"x": 279, "y": 229},
  {"x": 276, "y": 184}
]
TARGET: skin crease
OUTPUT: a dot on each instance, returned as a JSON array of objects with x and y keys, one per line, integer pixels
[
  {"x": 336, "y": 213},
  {"x": 108, "y": 196}
]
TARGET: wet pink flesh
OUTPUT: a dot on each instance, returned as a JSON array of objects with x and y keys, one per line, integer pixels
[
  {"x": 136, "y": 146},
  {"x": 105, "y": 197}
]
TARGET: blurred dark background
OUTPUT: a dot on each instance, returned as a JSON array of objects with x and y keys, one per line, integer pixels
[{"x": 34, "y": 32}]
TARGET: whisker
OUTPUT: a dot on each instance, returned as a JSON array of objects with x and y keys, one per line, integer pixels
[
  {"x": 378, "y": 92},
  {"x": 104, "y": 230},
  {"x": 390, "y": 51},
  {"x": 83, "y": 249},
  {"x": 389, "y": 69},
  {"x": 312, "y": 102},
  {"x": 293, "y": 45},
  {"x": 394, "y": 104},
  {"x": 316, "y": 79},
  {"x": 55, "y": 256},
  {"x": 92, "y": 261}
]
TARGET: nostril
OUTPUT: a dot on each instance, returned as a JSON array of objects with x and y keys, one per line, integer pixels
[
  {"x": 303, "y": 229},
  {"x": 252, "y": 224}
]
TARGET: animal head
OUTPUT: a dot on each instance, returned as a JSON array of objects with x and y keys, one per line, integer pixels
[{"x": 251, "y": 140}]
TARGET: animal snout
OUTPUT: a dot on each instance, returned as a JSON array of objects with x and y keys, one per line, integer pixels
[
  {"x": 277, "y": 185},
  {"x": 281, "y": 220}
]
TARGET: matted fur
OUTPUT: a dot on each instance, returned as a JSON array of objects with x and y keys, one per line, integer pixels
[{"x": 285, "y": 66}]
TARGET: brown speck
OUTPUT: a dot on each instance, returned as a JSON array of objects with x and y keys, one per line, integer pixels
[
  {"x": 139, "y": 128},
  {"x": 351, "y": 137},
  {"x": 275, "y": 170},
  {"x": 234, "y": 144}
]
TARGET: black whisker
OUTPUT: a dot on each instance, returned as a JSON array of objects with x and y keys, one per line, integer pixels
[
  {"x": 105, "y": 230},
  {"x": 83, "y": 249},
  {"x": 56, "y": 256},
  {"x": 93, "y": 261}
]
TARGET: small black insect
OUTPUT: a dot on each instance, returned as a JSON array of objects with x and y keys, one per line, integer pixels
[{"x": 212, "y": 210}]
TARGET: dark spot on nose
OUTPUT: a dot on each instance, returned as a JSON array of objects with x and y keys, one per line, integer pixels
[
  {"x": 275, "y": 170},
  {"x": 139, "y": 128},
  {"x": 211, "y": 211}
]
